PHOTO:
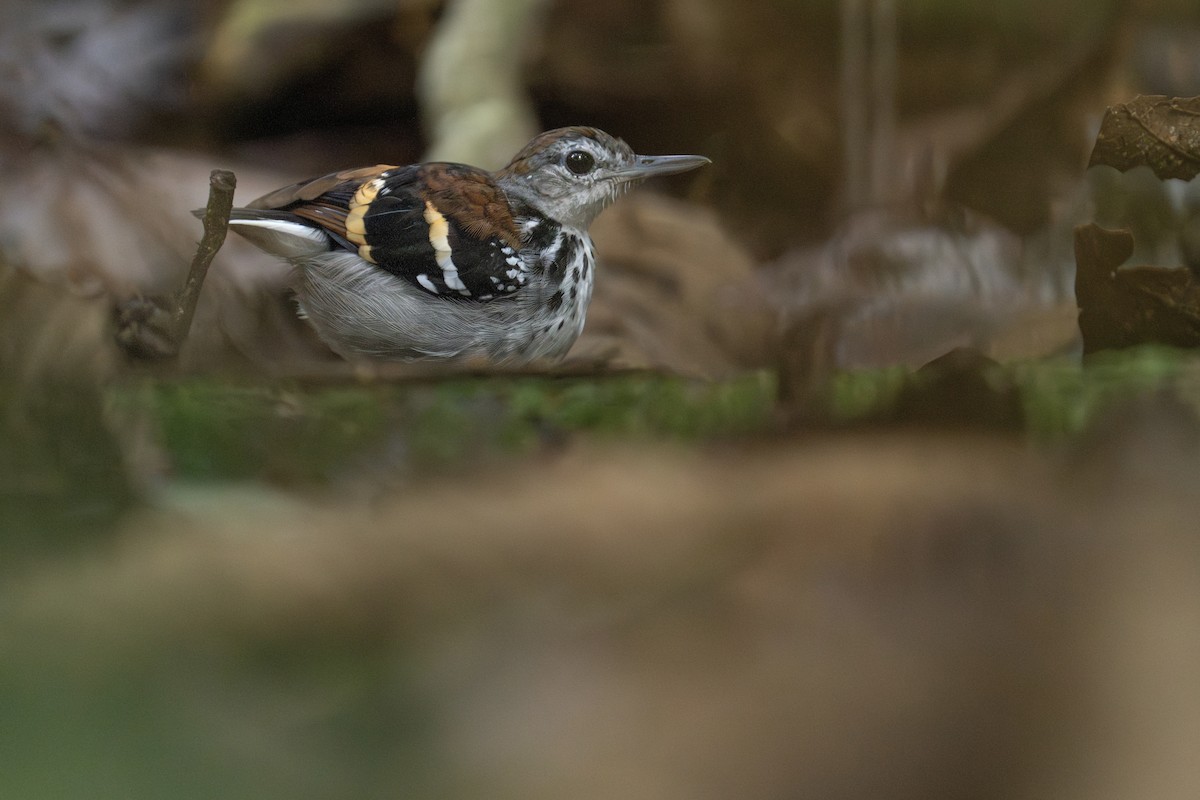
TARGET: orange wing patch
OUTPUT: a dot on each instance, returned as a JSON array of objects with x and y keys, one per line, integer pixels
[{"x": 356, "y": 226}]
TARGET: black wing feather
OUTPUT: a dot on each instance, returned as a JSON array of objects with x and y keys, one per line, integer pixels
[
  {"x": 401, "y": 237},
  {"x": 395, "y": 206}
]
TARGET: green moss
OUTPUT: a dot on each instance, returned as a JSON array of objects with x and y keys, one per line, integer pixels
[
  {"x": 1062, "y": 396},
  {"x": 862, "y": 394},
  {"x": 294, "y": 434},
  {"x": 214, "y": 430},
  {"x": 62, "y": 478}
]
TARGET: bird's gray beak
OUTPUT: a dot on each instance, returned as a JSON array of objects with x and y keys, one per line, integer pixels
[{"x": 653, "y": 166}]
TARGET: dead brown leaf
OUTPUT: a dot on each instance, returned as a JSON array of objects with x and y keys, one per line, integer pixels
[
  {"x": 1162, "y": 133},
  {"x": 1126, "y": 307}
]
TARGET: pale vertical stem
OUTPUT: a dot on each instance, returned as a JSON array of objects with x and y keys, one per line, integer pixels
[
  {"x": 883, "y": 100},
  {"x": 471, "y": 82},
  {"x": 853, "y": 102}
]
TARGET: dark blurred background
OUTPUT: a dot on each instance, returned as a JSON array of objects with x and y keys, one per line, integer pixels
[
  {"x": 686, "y": 565},
  {"x": 877, "y": 163}
]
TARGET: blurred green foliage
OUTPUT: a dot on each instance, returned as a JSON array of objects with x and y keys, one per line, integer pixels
[
  {"x": 1061, "y": 396},
  {"x": 293, "y": 434},
  {"x": 62, "y": 474},
  {"x": 290, "y": 433},
  {"x": 70, "y": 467}
]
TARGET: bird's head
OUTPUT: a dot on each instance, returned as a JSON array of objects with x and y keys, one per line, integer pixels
[{"x": 572, "y": 174}]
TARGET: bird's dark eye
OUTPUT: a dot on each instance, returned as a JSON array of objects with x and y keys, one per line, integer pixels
[{"x": 579, "y": 161}]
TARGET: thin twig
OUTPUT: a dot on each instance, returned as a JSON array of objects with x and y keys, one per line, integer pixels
[
  {"x": 155, "y": 328},
  {"x": 221, "y": 184}
]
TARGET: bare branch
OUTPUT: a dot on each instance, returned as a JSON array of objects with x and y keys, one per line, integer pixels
[{"x": 156, "y": 327}]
